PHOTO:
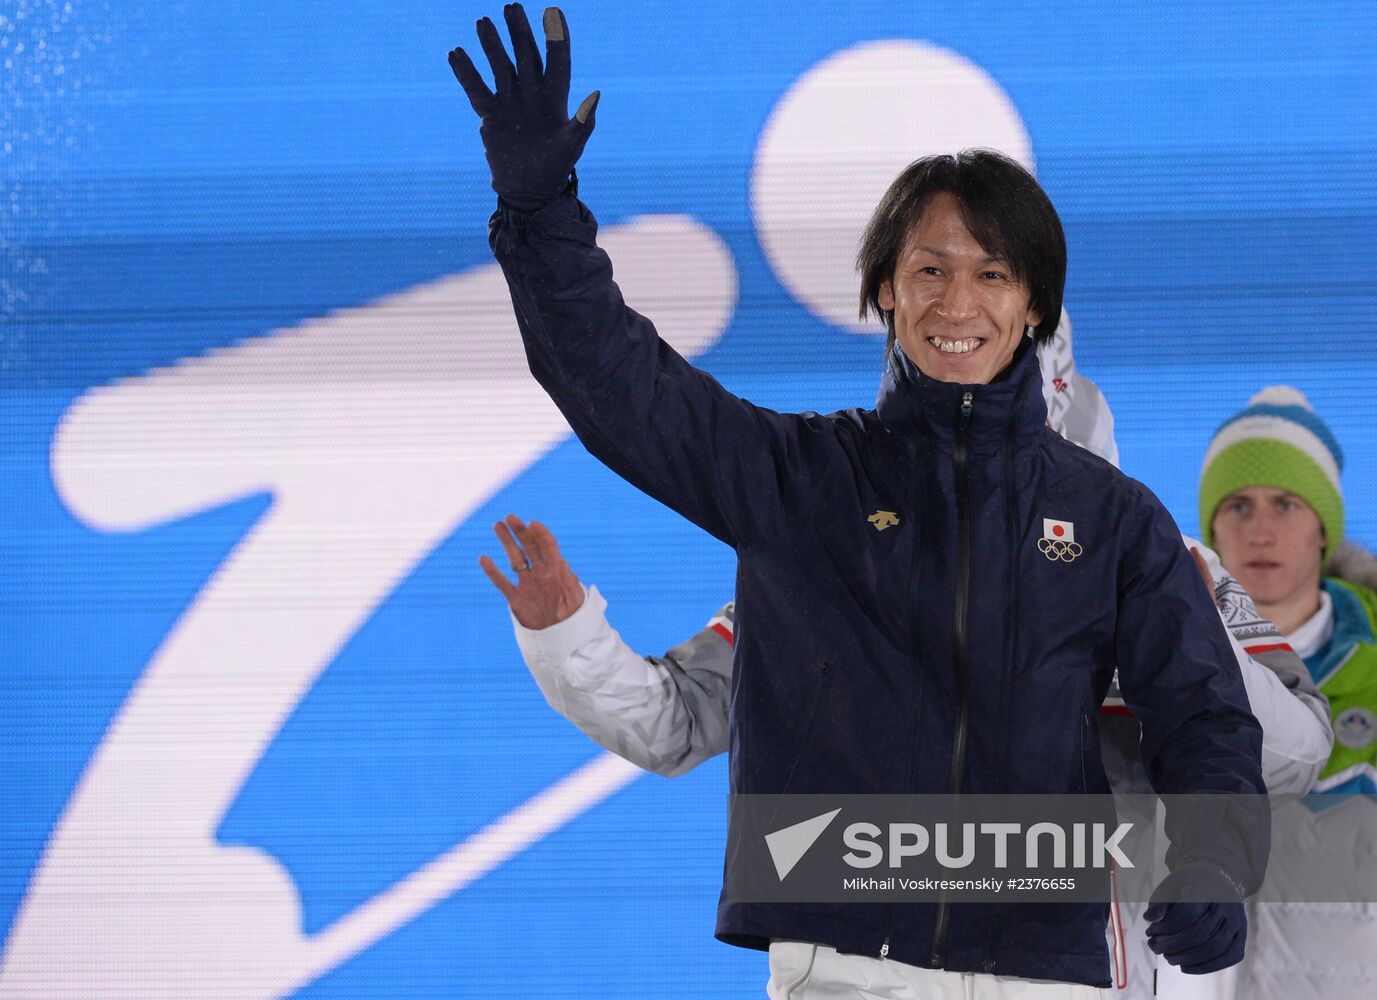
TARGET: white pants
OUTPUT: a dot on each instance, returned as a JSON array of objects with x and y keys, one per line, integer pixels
[{"x": 801, "y": 971}]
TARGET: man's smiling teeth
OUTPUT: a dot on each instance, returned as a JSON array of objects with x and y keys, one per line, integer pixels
[{"x": 954, "y": 346}]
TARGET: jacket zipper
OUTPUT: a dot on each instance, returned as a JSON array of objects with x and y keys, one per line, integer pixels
[{"x": 963, "y": 586}]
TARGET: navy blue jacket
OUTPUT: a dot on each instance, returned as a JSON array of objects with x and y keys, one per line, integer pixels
[{"x": 944, "y": 653}]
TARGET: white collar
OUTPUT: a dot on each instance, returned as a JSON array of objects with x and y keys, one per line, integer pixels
[{"x": 1318, "y": 629}]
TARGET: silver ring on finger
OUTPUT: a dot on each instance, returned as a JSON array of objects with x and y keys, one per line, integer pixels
[{"x": 522, "y": 569}]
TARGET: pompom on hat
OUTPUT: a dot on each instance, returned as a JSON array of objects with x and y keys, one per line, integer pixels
[{"x": 1277, "y": 441}]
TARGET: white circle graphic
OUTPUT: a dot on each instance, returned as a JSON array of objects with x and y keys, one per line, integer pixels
[{"x": 840, "y": 135}]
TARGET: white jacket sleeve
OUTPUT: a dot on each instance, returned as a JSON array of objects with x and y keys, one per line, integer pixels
[
  {"x": 666, "y": 714},
  {"x": 1296, "y": 731}
]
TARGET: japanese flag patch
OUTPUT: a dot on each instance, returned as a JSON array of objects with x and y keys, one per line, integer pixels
[{"x": 1055, "y": 530}]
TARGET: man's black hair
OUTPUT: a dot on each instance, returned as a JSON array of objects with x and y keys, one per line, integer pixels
[{"x": 1003, "y": 207}]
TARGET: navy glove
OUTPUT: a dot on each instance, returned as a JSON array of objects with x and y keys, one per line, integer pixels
[
  {"x": 1190, "y": 926},
  {"x": 531, "y": 142}
]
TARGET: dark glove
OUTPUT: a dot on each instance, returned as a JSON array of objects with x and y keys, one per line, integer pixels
[
  {"x": 1197, "y": 919},
  {"x": 531, "y": 142}
]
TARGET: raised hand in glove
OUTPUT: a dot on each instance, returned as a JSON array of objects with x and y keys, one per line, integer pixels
[
  {"x": 531, "y": 142},
  {"x": 1197, "y": 919}
]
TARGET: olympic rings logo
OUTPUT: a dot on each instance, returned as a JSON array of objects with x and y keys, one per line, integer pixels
[{"x": 1055, "y": 549}]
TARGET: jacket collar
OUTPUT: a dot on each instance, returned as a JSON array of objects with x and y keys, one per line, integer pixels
[{"x": 1009, "y": 409}]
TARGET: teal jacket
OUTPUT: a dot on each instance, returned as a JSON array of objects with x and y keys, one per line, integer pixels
[{"x": 1345, "y": 670}]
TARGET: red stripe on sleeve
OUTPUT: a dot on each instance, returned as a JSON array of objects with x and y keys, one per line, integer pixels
[
  {"x": 1286, "y": 646},
  {"x": 723, "y": 631}
]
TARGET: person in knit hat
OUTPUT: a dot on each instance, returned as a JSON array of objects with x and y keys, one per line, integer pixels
[{"x": 1272, "y": 505}]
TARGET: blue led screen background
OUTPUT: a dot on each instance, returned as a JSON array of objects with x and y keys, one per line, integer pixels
[{"x": 264, "y": 730}]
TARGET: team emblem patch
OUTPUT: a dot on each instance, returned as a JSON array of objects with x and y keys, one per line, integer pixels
[
  {"x": 1058, "y": 542},
  {"x": 1356, "y": 727},
  {"x": 883, "y": 519}
]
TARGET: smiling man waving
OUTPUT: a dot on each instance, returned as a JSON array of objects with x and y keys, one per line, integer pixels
[{"x": 938, "y": 648}]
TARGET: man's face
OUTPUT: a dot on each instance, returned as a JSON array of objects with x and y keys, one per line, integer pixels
[
  {"x": 1272, "y": 541},
  {"x": 958, "y": 313}
]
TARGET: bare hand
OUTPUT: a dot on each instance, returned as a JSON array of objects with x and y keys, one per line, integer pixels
[{"x": 546, "y": 590}]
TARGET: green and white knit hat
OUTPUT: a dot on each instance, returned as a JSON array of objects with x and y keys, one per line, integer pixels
[{"x": 1275, "y": 441}]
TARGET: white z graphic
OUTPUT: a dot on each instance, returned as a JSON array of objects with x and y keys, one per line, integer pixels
[{"x": 377, "y": 430}]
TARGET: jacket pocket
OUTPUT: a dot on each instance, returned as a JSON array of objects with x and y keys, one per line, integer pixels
[{"x": 815, "y": 705}]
